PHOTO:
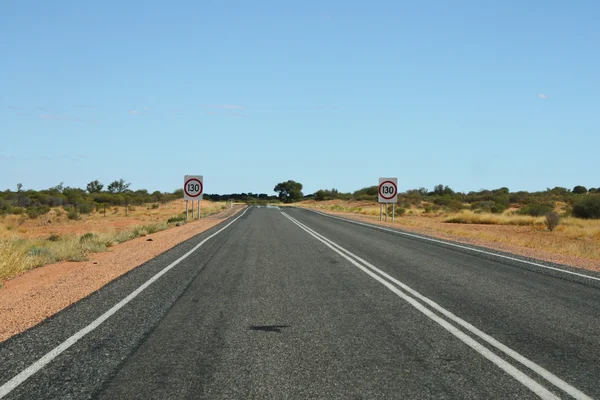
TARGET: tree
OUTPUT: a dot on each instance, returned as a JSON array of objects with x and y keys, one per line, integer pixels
[
  {"x": 19, "y": 187},
  {"x": 580, "y": 189},
  {"x": 58, "y": 188},
  {"x": 118, "y": 186},
  {"x": 441, "y": 190},
  {"x": 289, "y": 191},
  {"x": 94, "y": 186}
]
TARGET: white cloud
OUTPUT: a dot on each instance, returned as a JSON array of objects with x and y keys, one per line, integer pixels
[{"x": 543, "y": 96}]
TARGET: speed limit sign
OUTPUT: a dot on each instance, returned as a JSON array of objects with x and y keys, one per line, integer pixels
[
  {"x": 388, "y": 190},
  {"x": 193, "y": 187}
]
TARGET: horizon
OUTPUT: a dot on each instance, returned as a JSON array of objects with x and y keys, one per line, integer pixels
[
  {"x": 306, "y": 193},
  {"x": 331, "y": 95}
]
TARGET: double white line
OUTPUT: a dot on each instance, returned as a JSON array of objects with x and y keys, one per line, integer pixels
[{"x": 412, "y": 297}]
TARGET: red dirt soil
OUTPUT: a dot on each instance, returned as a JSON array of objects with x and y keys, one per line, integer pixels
[{"x": 36, "y": 295}]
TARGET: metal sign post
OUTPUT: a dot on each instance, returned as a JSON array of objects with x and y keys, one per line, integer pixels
[
  {"x": 186, "y": 210},
  {"x": 393, "y": 211},
  {"x": 380, "y": 211},
  {"x": 192, "y": 209},
  {"x": 199, "y": 201}
]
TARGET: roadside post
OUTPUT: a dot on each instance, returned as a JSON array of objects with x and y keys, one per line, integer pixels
[
  {"x": 387, "y": 194},
  {"x": 193, "y": 188}
]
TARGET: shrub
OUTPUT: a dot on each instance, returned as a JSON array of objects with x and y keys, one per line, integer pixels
[
  {"x": 536, "y": 210},
  {"x": 455, "y": 205},
  {"x": 86, "y": 208},
  {"x": 53, "y": 237},
  {"x": 589, "y": 207},
  {"x": 483, "y": 205},
  {"x": 552, "y": 220},
  {"x": 44, "y": 209},
  {"x": 33, "y": 213},
  {"x": 498, "y": 208},
  {"x": 400, "y": 211},
  {"x": 155, "y": 206},
  {"x": 35, "y": 251},
  {"x": 87, "y": 236},
  {"x": 175, "y": 219},
  {"x": 442, "y": 201},
  {"x": 73, "y": 214}
]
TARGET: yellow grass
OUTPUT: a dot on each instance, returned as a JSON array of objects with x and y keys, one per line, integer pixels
[
  {"x": 21, "y": 249},
  {"x": 469, "y": 217},
  {"x": 573, "y": 237}
]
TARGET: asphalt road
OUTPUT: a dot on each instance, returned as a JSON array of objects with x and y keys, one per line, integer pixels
[{"x": 289, "y": 304}]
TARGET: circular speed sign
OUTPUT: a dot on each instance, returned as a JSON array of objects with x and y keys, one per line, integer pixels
[
  {"x": 387, "y": 190},
  {"x": 193, "y": 187}
]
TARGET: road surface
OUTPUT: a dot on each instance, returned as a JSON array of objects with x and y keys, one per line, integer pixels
[{"x": 289, "y": 304}]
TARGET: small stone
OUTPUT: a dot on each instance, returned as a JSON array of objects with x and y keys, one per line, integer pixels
[{"x": 149, "y": 240}]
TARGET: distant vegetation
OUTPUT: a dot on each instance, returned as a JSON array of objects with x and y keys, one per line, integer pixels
[
  {"x": 578, "y": 202},
  {"x": 78, "y": 201},
  {"x": 289, "y": 191}
]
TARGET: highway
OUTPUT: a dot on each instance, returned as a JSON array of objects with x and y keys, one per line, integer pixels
[{"x": 290, "y": 304}]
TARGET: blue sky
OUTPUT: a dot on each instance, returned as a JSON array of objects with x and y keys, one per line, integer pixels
[{"x": 471, "y": 94}]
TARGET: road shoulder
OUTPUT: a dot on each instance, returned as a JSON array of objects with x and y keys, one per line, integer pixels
[{"x": 40, "y": 293}]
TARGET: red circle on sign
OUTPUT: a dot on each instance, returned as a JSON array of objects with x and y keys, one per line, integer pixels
[
  {"x": 395, "y": 190},
  {"x": 192, "y": 180}
]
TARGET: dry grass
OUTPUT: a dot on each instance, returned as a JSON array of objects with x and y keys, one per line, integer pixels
[
  {"x": 573, "y": 237},
  {"x": 469, "y": 217},
  {"x": 116, "y": 218},
  {"x": 356, "y": 207},
  {"x": 23, "y": 249}
]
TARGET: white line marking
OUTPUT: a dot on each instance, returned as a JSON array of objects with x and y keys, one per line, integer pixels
[
  {"x": 453, "y": 244},
  {"x": 518, "y": 357},
  {"x": 52, "y": 354}
]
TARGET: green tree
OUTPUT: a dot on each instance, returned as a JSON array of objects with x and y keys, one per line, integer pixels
[
  {"x": 289, "y": 191},
  {"x": 118, "y": 186},
  {"x": 94, "y": 186},
  {"x": 580, "y": 189}
]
